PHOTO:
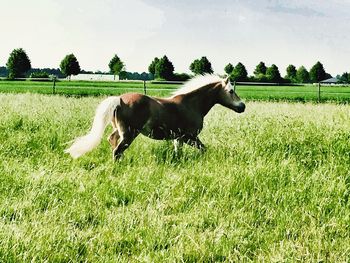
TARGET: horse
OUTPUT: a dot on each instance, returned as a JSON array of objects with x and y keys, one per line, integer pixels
[{"x": 178, "y": 117}]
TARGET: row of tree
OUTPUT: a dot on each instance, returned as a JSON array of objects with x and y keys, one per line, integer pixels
[
  {"x": 262, "y": 73},
  {"x": 162, "y": 68},
  {"x": 18, "y": 64}
]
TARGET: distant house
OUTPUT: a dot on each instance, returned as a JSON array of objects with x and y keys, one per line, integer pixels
[
  {"x": 95, "y": 77},
  {"x": 330, "y": 81}
]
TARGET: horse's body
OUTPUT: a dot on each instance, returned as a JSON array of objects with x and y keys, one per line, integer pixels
[
  {"x": 159, "y": 118},
  {"x": 179, "y": 117}
]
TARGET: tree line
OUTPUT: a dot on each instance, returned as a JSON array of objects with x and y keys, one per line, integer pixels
[
  {"x": 19, "y": 65},
  {"x": 263, "y": 73}
]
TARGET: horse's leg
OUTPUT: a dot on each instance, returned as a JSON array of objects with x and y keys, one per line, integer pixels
[
  {"x": 114, "y": 138},
  {"x": 195, "y": 142},
  {"x": 126, "y": 138},
  {"x": 177, "y": 145}
]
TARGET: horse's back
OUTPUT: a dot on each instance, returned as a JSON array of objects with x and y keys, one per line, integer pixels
[{"x": 135, "y": 109}]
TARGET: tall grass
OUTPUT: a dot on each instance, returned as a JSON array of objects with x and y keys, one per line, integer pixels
[{"x": 274, "y": 185}]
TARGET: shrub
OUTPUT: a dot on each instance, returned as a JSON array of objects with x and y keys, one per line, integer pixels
[{"x": 39, "y": 75}]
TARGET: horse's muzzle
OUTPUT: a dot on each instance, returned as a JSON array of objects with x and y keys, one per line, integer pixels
[{"x": 240, "y": 107}]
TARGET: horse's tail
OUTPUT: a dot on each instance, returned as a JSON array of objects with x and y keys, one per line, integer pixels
[{"x": 104, "y": 115}]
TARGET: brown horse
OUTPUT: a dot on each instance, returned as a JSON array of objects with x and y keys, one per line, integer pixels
[{"x": 179, "y": 117}]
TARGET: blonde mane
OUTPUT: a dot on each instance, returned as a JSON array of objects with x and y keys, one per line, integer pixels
[{"x": 196, "y": 83}]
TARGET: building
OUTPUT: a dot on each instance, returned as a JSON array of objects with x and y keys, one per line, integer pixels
[
  {"x": 330, "y": 81},
  {"x": 95, "y": 77}
]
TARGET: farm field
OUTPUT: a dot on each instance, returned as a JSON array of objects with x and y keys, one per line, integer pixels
[
  {"x": 96, "y": 88},
  {"x": 274, "y": 185},
  {"x": 82, "y": 88}
]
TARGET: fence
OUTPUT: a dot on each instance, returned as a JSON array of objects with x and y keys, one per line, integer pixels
[{"x": 250, "y": 90}]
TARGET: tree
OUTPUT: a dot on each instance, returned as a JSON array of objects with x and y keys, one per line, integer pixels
[
  {"x": 152, "y": 66},
  {"x": 164, "y": 69},
  {"x": 229, "y": 68},
  {"x": 181, "y": 76},
  {"x": 70, "y": 65},
  {"x": 345, "y": 78},
  {"x": 116, "y": 65},
  {"x": 273, "y": 74},
  {"x": 260, "y": 69},
  {"x": 328, "y": 76},
  {"x": 317, "y": 72},
  {"x": 18, "y": 63},
  {"x": 4, "y": 72},
  {"x": 260, "y": 78},
  {"x": 302, "y": 75},
  {"x": 291, "y": 73},
  {"x": 239, "y": 73},
  {"x": 201, "y": 66},
  {"x": 123, "y": 74}
]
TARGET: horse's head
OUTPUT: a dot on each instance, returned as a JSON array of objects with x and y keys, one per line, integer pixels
[{"x": 229, "y": 98}]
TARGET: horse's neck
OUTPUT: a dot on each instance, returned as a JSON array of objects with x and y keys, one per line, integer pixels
[{"x": 201, "y": 101}]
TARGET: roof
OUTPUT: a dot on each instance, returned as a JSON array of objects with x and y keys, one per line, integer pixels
[
  {"x": 331, "y": 80},
  {"x": 101, "y": 77}
]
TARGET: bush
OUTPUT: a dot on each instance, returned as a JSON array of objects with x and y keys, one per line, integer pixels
[
  {"x": 39, "y": 75},
  {"x": 181, "y": 77}
]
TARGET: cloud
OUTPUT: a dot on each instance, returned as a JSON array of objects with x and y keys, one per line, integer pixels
[
  {"x": 296, "y": 10},
  {"x": 280, "y": 32},
  {"x": 93, "y": 30}
]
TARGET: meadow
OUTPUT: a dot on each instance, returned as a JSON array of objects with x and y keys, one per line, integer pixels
[
  {"x": 273, "y": 186},
  {"x": 301, "y": 93}
]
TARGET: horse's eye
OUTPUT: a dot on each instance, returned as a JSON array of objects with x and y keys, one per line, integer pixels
[{"x": 231, "y": 91}]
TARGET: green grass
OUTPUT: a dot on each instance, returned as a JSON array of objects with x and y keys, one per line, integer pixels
[
  {"x": 96, "y": 88},
  {"x": 83, "y": 88},
  {"x": 305, "y": 93},
  {"x": 274, "y": 185}
]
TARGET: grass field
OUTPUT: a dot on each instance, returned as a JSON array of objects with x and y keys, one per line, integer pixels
[
  {"x": 97, "y": 88},
  {"x": 273, "y": 186},
  {"x": 83, "y": 88}
]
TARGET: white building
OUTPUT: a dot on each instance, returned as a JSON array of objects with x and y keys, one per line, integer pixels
[{"x": 95, "y": 77}]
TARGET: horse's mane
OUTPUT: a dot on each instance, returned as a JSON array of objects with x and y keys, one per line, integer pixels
[{"x": 196, "y": 83}]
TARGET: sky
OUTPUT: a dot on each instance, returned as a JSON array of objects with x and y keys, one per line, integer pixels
[{"x": 225, "y": 31}]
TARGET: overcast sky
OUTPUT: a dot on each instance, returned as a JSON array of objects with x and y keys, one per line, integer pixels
[{"x": 226, "y": 31}]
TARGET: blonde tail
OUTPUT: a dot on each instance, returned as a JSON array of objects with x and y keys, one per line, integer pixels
[{"x": 103, "y": 116}]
